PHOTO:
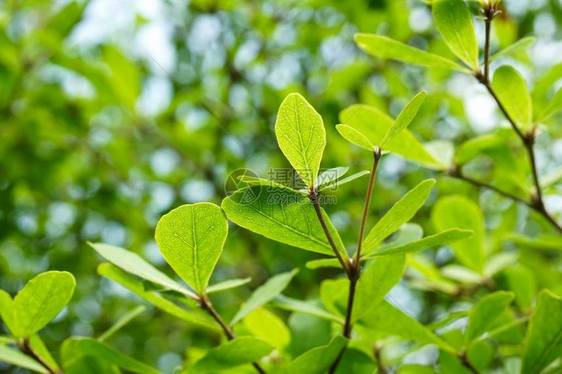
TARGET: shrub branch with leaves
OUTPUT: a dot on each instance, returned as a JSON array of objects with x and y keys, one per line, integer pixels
[{"x": 191, "y": 239}]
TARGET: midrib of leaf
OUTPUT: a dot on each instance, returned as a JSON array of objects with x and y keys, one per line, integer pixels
[
  {"x": 300, "y": 233},
  {"x": 461, "y": 42},
  {"x": 195, "y": 250},
  {"x": 555, "y": 341}
]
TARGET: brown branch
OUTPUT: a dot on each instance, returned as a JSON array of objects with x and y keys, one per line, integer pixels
[
  {"x": 25, "y": 347},
  {"x": 206, "y": 305},
  {"x": 344, "y": 262}
]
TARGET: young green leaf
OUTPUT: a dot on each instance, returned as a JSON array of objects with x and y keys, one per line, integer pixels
[
  {"x": 41, "y": 300},
  {"x": 330, "y": 176},
  {"x": 301, "y": 136},
  {"x": 405, "y": 117},
  {"x": 39, "y": 349},
  {"x": 386, "y": 48},
  {"x": 513, "y": 93},
  {"x": 323, "y": 263},
  {"x": 227, "y": 285},
  {"x": 73, "y": 349},
  {"x": 355, "y": 137},
  {"x": 374, "y": 124},
  {"x": 7, "y": 312},
  {"x": 485, "y": 312},
  {"x": 543, "y": 343},
  {"x": 476, "y": 146},
  {"x": 318, "y": 360},
  {"x": 341, "y": 182},
  {"x": 283, "y": 215},
  {"x": 521, "y": 281},
  {"x": 136, "y": 265},
  {"x": 293, "y": 305},
  {"x": 195, "y": 316},
  {"x": 240, "y": 351},
  {"x": 443, "y": 237},
  {"x": 264, "y": 294},
  {"x": 454, "y": 22},
  {"x": 191, "y": 238},
  {"x": 265, "y": 325},
  {"x": 16, "y": 358},
  {"x": 387, "y": 318},
  {"x": 553, "y": 107},
  {"x": 400, "y": 213},
  {"x": 122, "y": 322},
  {"x": 512, "y": 49},
  {"x": 378, "y": 278},
  {"x": 458, "y": 211}
]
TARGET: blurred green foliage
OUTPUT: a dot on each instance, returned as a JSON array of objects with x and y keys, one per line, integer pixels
[{"x": 114, "y": 112}]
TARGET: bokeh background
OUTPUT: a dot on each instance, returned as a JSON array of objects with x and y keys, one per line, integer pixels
[{"x": 113, "y": 112}]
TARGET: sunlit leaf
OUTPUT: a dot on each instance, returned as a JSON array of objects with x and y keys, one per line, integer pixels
[
  {"x": 512, "y": 91},
  {"x": 553, "y": 107},
  {"x": 318, "y": 360},
  {"x": 305, "y": 307},
  {"x": 355, "y": 137},
  {"x": 374, "y": 124},
  {"x": 227, "y": 285},
  {"x": 14, "y": 357},
  {"x": 136, "y": 265},
  {"x": 191, "y": 239},
  {"x": 41, "y": 300},
  {"x": 264, "y": 294},
  {"x": 405, "y": 117},
  {"x": 454, "y": 22},
  {"x": 240, "y": 351},
  {"x": 387, "y": 48},
  {"x": 520, "y": 45},
  {"x": 401, "y": 212},
  {"x": 282, "y": 215},
  {"x": 265, "y": 325},
  {"x": 460, "y": 212},
  {"x": 301, "y": 136}
]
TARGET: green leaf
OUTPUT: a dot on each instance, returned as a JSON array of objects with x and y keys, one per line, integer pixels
[
  {"x": 475, "y": 147},
  {"x": 389, "y": 319},
  {"x": 301, "y": 136},
  {"x": 191, "y": 238},
  {"x": 136, "y": 265},
  {"x": 553, "y": 107},
  {"x": 454, "y": 22},
  {"x": 318, "y": 360},
  {"x": 485, "y": 312},
  {"x": 16, "y": 358},
  {"x": 306, "y": 307},
  {"x": 227, "y": 285},
  {"x": 75, "y": 348},
  {"x": 513, "y": 93},
  {"x": 386, "y": 48},
  {"x": 330, "y": 176},
  {"x": 122, "y": 322},
  {"x": 265, "y": 325},
  {"x": 283, "y": 215},
  {"x": 522, "y": 282},
  {"x": 458, "y": 211},
  {"x": 41, "y": 300},
  {"x": 401, "y": 212},
  {"x": 379, "y": 277},
  {"x": 195, "y": 316},
  {"x": 405, "y": 117},
  {"x": 40, "y": 349},
  {"x": 543, "y": 343},
  {"x": 374, "y": 124},
  {"x": 7, "y": 312},
  {"x": 341, "y": 182},
  {"x": 355, "y": 137},
  {"x": 323, "y": 263},
  {"x": 237, "y": 352},
  {"x": 512, "y": 49},
  {"x": 265, "y": 293},
  {"x": 444, "y": 237}
]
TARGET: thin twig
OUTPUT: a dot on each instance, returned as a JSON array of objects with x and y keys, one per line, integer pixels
[
  {"x": 528, "y": 139},
  {"x": 228, "y": 332},
  {"x": 355, "y": 268},
  {"x": 467, "y": 364},
  {"x": 25, "y": 347},
  {"x": 314, "y": 198},
  {"x": 372, "y": 179}
]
